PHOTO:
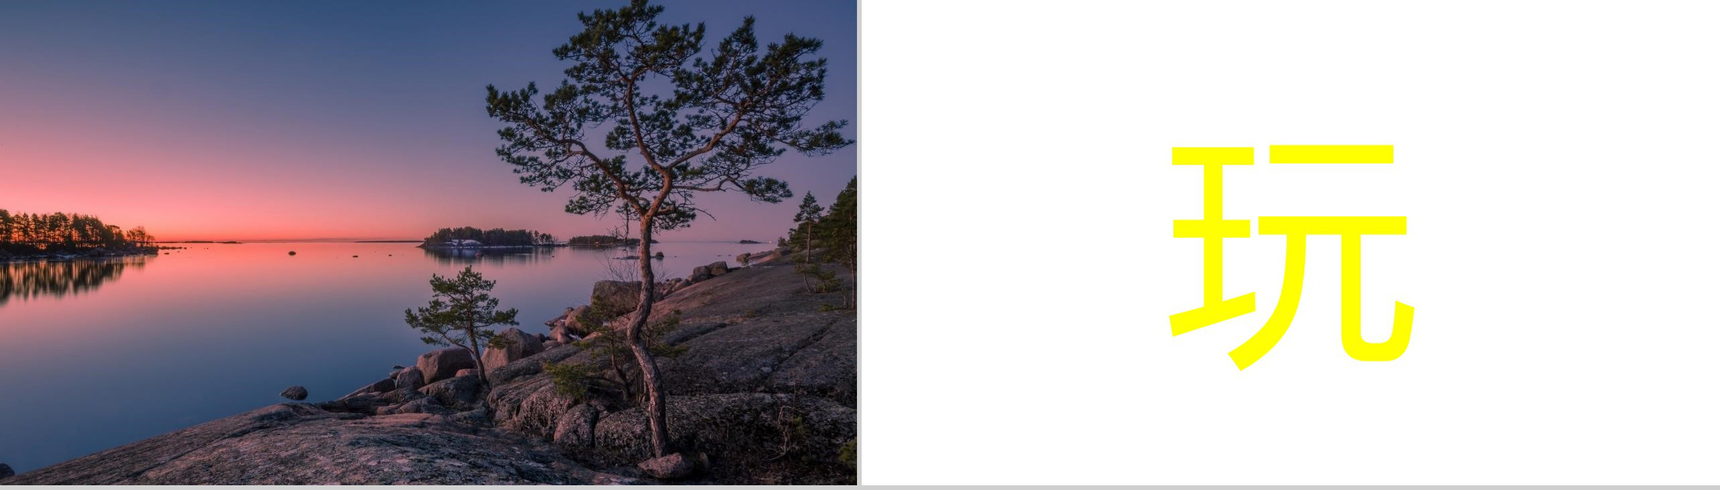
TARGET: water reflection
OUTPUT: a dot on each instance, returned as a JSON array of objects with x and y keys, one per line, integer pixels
[
  {"x": 26, "y": 280},
  {"x": 211, "y": 331}
]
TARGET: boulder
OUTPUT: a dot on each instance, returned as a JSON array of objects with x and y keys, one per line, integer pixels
[
  {"x": 573, "y": 427},
  {"x": 573, "y": 320},
  {"x": 557, "y": 321},
  {"x": 571, "y": 328},
  {"x": 742, "y": 258},
  {"x": 658, "y": 255},
  {"x": 441, "y": 364},
  {"x": 6, "y": 471},
  {"x": 409, "y": 379},
  {"x": 622, "y": 297},
  {"x": 551, "y": 344},
  {"x": 399, "y": 396},
  {"x": 295, "y": 393},
  {"x": 357, "y": 403},
  {"x": 467, "y": 372},
  {"x": 700, "y": 273},
  {"x": 563, "y": 334},
  {"x": 518, "y": 345},
  {"x": 718, "y": 268},
  {"x": 673, "y": 466},
  {"x": 533, "y": 407},
  {"x": 459, "y": 392}
]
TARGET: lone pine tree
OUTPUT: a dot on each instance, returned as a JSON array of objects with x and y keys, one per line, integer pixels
[
  {"x": 646, "y": 119},
  {"x": 460, "y": 313}
]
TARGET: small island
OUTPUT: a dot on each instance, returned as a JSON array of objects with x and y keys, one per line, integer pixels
[
  {"x": 470, "y": 238},
  {"x": 604, "y": 241}
]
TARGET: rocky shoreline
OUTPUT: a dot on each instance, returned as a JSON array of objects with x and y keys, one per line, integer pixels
[{"x": 764, "y": 391}]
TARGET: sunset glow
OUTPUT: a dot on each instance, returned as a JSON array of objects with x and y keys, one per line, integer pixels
[{"x": 278, "y": 121}]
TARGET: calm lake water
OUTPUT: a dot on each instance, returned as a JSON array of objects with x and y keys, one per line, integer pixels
[{"x": 99, "y": 353}]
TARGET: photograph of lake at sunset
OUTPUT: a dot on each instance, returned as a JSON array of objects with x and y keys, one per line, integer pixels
[{"x": 519, "y": 242}]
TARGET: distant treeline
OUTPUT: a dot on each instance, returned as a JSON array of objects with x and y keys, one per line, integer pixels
[
  {"x": 494, "y": 237},
  {"x": 25, "y": 233}
]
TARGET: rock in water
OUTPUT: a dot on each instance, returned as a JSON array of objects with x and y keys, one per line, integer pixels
[
  {"x": 441, "y": 364},
  {"x": 669, "y": 467},
  {"x": 295, "y": 393},
  {"x": 6, "y": 471},
  {"x": 519, "y": 345},
  {"x": 409, "y": 379},
  {"x": 290, "y": 252}
]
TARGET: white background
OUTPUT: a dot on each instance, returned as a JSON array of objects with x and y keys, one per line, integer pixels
[{"x": 1556, "y": 162}]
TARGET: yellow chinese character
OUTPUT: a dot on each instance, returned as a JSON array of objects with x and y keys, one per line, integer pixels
[{"x": 1213, "y": 228}]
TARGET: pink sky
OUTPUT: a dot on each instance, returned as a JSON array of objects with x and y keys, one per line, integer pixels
[{"x": 278, "y": 121}]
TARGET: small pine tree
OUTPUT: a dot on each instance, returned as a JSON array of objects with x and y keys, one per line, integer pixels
[
  {"x": 801, "y": 234},
  {"x": 460, "y": 314}
]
